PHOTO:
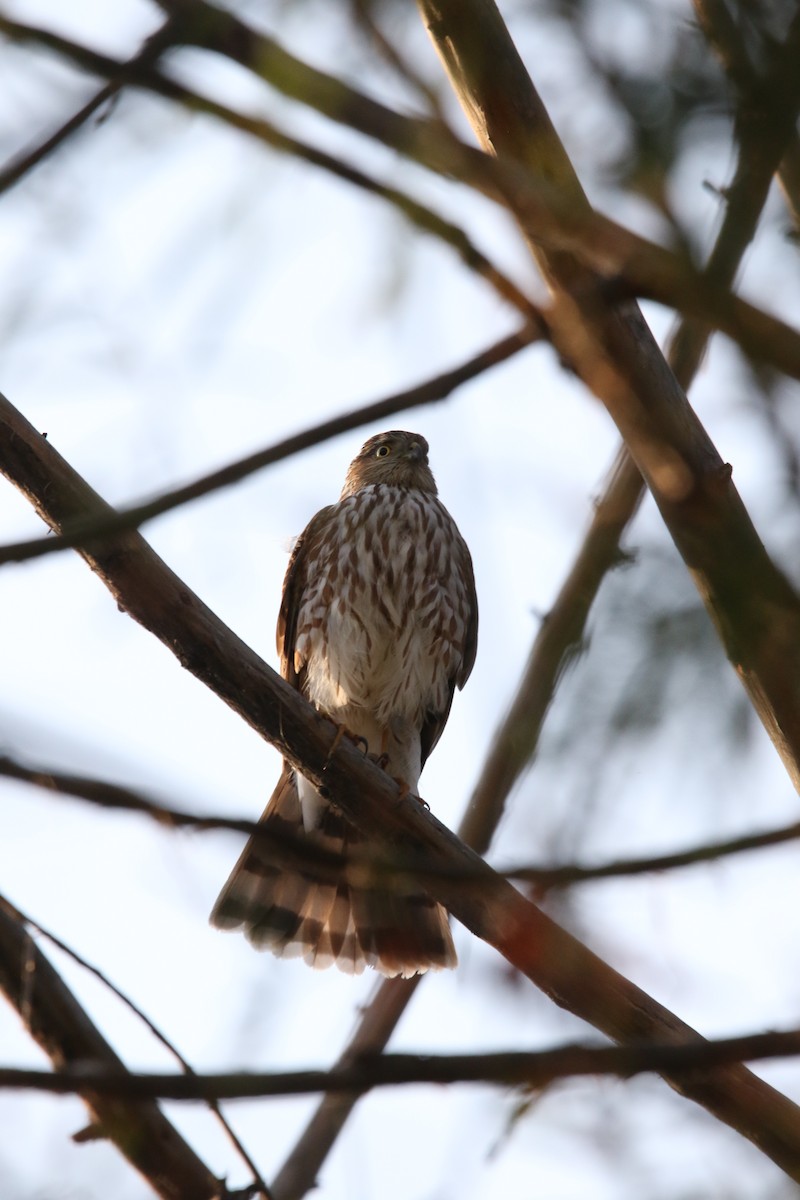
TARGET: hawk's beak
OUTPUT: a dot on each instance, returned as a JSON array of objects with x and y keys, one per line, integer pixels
[{"x": 416, "y": 453}]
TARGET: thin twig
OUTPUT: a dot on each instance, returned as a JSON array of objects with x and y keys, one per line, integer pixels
[
  {"x": 289, "y": 848},
  {"x": 431, "y": 391},
  {"x": 488, "y": 905},
  {"x": 14, "y": 912},
  {"x": 62, "y": 1028},
  {"x": 517, "y": 1069},
  {"x": 632, "y": 265},
  {"x": 151, "y": 51}
]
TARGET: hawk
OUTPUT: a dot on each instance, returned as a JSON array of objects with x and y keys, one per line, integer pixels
[{"x": 378, "y": 625}]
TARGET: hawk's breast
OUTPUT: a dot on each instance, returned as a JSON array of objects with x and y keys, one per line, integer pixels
[{"x": 383, "y": 616}]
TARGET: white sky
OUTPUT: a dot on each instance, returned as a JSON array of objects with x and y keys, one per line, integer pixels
[{"x": 175, "y": 296}]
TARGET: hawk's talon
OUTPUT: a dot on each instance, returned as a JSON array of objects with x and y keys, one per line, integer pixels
[
  {"x": 343, "y": 732},
  {"x": 405, "y": 789}
]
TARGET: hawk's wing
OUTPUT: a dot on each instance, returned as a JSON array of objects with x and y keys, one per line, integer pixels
[
  {"x": 434, "y": 722},
  {"x": 304, "y": 550}
]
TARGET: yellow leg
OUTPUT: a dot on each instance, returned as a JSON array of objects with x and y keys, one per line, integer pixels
[{"x": 343, "y": 732}]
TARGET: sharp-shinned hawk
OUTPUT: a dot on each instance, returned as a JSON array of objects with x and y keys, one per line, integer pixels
[{"x": 378, "y": 626}]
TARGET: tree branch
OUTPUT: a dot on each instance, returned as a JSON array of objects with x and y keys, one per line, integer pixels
[
  {"x": 60, "y": 1026},
  {"x": 629, "y": 264},
  {"x": 518, "y": 1069},
  {"x": 259, "y": 1186},
  {"x": 288, "y": 848},
  {"x": 148, "y": 56},
  {"x": 488, "y": 905},
  {"x": 431, "y": 391}
]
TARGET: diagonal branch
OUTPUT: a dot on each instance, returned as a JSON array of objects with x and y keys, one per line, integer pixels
[
  {"x": 516, "y": 740},
  {"x": 56, "y": 1021},
  {"x": 153, "y": 48},
  {"x": 431, "y": 391},
  {"x": 754, "y": 607},
  {"x": 634, "y": 265},
  {"x": 488, "y": 905},
  {"x": 259, "y": 1186}
]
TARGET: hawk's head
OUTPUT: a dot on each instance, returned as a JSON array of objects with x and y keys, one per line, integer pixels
[{"x": 397, "y": 458}]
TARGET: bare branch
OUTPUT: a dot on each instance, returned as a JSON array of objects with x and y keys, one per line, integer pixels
[
  {"x": 289, "y": 848},
  {"x": 486, "y": 904},
  {"x": 151, "y": 51},
  {"x": 516, "y": 1069},
  {"x": 544, "y": 877},
  {"x": 259, "y": 1186},
  {"x": 631, "y": 265},
  {"x": 61, "y": 1027},
  {"x": 431, "y": 391}
]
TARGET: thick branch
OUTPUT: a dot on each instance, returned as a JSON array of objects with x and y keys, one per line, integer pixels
[
  {"x": 515, "y": 742},
  {"x": 61, "y": 1027},
  {"x": 634, "y": 265},
  {"x": 488, "y": 905},
  {"x": 755, "y": 609}
]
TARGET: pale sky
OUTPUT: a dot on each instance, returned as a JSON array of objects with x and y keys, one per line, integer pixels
[{"x": 176, "y": 296}]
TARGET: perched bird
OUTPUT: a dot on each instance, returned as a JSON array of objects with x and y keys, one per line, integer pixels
[{"x": 378, "y": 625}]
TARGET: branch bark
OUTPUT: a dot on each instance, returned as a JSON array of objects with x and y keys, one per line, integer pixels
[
  {"x": 754, "y": 608},
  {"x": 56, "y": 1021},
  {"x": 515, "y": 743},
  {"x": 488, "y": 905}
]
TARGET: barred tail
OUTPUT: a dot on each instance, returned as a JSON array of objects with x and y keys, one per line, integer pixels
[{"x": 305, "y": 909}]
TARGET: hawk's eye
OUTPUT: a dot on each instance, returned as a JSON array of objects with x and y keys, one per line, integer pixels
[{"x": 382, "y": 452}]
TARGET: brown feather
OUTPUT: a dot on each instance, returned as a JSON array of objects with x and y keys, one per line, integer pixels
[
  {"x": 377, "y": 626},
  {"x": 392, "y": 926}
]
